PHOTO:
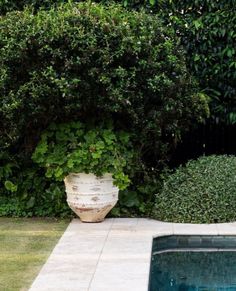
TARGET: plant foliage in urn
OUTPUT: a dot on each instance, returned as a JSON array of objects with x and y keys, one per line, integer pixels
[
  {"x": 93, "y": 162},
  {"x": 74, "y": 148}
]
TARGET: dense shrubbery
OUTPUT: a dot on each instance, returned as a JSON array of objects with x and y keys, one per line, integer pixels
[
  {"x": 89, "y": 62},
  {"x": 203, "y": 191},
  {"x": 207, "y": 32},
  {"x": 29, "y": 193},
  {"x": 78, "y": 62},
  {"x": 96, "y": 62}
]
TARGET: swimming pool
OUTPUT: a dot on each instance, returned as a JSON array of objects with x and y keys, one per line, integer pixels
[{"x": 193, "y": 263}]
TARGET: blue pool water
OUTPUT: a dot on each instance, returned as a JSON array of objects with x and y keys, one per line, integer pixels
[{"x": 182, "y": 268}]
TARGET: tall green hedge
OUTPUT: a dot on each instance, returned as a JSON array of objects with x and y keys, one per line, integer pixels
[
  {"x": 89, "y": 62},
  {"x": 207, "y": 32}
]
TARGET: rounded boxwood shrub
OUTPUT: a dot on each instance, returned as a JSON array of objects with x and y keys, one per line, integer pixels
[{"x": 203, "y": 191}]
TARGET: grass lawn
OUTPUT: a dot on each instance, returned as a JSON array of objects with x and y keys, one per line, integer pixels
[{"x": 25, "y": 244}]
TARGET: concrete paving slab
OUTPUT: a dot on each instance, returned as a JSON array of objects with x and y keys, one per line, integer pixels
[
  {"x": 188, "y": 228},
  {"x": 226, "y": 228}
]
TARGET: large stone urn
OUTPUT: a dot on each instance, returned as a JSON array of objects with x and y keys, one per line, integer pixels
[{"x": 89, "y": 196}]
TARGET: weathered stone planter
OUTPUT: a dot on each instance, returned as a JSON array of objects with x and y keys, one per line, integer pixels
[{"x": 91, "y": 197}]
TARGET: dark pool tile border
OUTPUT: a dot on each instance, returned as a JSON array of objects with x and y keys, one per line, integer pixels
[{"x": 169, "y": 242}]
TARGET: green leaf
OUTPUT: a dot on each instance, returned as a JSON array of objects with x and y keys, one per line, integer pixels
[
  {"x": 10, "y": 186},
  {"x": 197, "y": 24},
  {"x": 152, "y": 2},
  {"x": 70, "y": 163},
  {"x": 125, "y": 3},
  {"x": 58, "y": 172},
  {"x": 30, "y": 203}
]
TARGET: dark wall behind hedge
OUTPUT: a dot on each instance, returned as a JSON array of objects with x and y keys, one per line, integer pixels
[{"x": 11, "y": 5}]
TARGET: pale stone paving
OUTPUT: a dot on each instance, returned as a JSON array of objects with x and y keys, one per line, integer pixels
[{"x": 110, "y": 256}]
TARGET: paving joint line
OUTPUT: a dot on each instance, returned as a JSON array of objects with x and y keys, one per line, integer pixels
[{"x": 99, "y": 257}]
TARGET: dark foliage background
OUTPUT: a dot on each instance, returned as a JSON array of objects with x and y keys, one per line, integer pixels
[{"x": 39, "y": 77}]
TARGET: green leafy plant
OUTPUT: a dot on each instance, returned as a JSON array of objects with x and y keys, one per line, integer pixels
[
  {"x": 76, "y": 147},
  {"x": 27, "y": 192},
  {"x": 138, "y": 199},
  {"x": 8, "y": 166},
  {"x": 203, "y": 191}
]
